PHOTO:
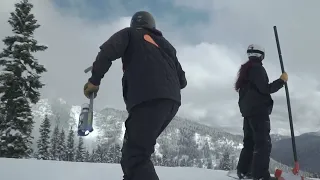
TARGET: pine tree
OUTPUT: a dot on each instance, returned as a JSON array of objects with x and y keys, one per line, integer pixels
[
  {"x": 183, "y": 162},
  {"x": 61, "y": 149},
  {"x": 80, "y": 150},
  {"x": 225, "y": 162},
  {"x": 19, "y": 83},
  {"x": 93, "y": 156},
  {"x": 206, "y": 150},
  {"x": 87, "y": 156},
  {"x": 199, "y": 163},
  {"x": 70, "y": 146},
  {"x": 100, "y": 155},
  {"x": 209, "y": 165},
  {"x": 43, "y": 142},
  {"x": 113, "y": 153},
  {"x": 54, "y": 143}
]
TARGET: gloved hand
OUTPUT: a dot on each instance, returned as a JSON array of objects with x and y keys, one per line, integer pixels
[
  {"x": 89, "y": 89},
  {"x": 284, "y": 77}
]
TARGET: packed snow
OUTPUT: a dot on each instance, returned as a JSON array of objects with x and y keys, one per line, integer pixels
[
  {"x": 31, "y": 169},
  {"x": 17, "y": 169}
]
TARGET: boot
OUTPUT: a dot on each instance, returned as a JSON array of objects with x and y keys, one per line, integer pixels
[{"x": 244, "y": 176}]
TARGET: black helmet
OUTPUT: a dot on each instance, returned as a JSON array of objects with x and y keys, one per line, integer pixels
[{"x": 143, "y": 19}]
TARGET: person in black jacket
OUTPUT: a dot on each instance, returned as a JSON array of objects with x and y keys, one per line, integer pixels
[
  {"x": 256, "y": 105},
  {"x": 152, "y": 82}
]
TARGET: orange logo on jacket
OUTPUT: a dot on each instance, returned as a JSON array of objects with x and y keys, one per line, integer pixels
[{"x": 150, "y": 40}]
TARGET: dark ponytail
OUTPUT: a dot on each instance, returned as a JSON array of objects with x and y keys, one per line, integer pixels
[{"x": 242, "y": 74}]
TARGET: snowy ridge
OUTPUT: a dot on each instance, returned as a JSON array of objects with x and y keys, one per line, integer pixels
[
  {"x": 58, "y": 108},
  {"x": 186, "y": 142},
  {"x": 42, "y": 108},
  {"x": 109, "y": 129}
]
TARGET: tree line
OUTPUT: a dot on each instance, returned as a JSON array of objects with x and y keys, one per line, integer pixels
[
  {"x": 59, "y": 146},
  {"x": 56, "y": 145}
]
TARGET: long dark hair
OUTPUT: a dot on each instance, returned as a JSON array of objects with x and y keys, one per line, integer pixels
[{"x": 242, "y": 73}]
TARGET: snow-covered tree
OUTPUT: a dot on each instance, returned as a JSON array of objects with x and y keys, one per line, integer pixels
[
  {"x": 54, "y": 143},
  {"x": 80, "y": 150},
  {"x": 87, "y": 156},
  {"x": 206, "y": 150},
  {"x": 115, "y": 151},
  {"x": 93, "y": 156},
  {"x": 209, "y": 165},
  {"x": 43, "y": 142},
  {"x": 70, "y": 146},
  {"x": 61, "y": 149},
  {"x": 19, "y": 83},
  {"x": 225, "y": 162},
  {"x": 100, "y": 155}
]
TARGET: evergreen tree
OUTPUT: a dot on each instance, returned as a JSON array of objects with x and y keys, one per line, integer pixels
[
  {"x": 100, "y": 155},
  {"x": 61, "y": 149},
  {"x": 199, "y": 163},
  {"x": 165, "y": 160},
  {"x": 154, "y": 159},
  {"x": 108, "y": 154},
  {"x": 70, "y": 146},
  {"x": 225, "y": 162},
  {"x": 209, "y": 165},
  {"x": 19, "y": 83},
  {"x": 114, "y": 153},
  {"x": 87, "y": 156},
  {"x": 183, "y": 162},
  {"x": 54, "y": 143},
  {"x": 43, "y": 142},
  {"x": 80, "y": 150},
  {"x": 206, "y": 150},
  {"x": 93, "y": 156}
]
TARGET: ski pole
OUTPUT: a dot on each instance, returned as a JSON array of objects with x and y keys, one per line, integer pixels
[
  {"x": 88, "y": 69},
  {"x": 296, "y": 164},
  {"x": 86, "y": 115}
]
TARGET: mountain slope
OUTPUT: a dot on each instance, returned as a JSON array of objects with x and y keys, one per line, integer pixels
[
  {"x": 308, "y": 150},
  {"x": 277, "y": 137},
  {"x": 183, "y": 143}
]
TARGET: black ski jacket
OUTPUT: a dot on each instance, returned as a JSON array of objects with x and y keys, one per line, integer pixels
[
  {"x": 254, "y": 95},
  {"x": 151, "y": 69}
]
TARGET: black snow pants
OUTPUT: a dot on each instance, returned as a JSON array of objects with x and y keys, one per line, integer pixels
[
  {"x": 144, "y": 124},
  {"x": 255, "y": 155}
]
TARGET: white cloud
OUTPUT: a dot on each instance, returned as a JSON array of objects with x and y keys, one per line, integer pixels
[
  {"x": 251, "y": 21},
  {"x": 211, "y": 66},
  {"x": 208, "y": 63}
]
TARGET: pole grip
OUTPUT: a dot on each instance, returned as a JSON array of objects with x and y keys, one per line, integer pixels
[{"x": 88, "y": 69}]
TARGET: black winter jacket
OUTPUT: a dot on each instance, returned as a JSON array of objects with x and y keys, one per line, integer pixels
[
  {"x": 151, "y": 68},
  {"x": 254, "y": 95}
]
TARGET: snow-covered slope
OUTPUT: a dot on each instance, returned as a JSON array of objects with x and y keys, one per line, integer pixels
[
  {"x": 14, "y": 169},
  {"x": 17, "y": 169}
]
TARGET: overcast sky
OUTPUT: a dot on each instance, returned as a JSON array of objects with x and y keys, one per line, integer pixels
[{"x": 210, "y": 36}]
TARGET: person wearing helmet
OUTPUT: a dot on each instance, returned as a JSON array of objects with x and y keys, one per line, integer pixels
[
  {"x": 256, "y": 104},
  {"x": 151, "y": 83}
]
